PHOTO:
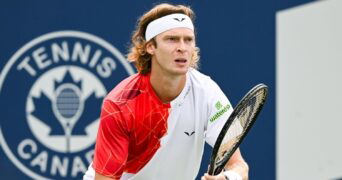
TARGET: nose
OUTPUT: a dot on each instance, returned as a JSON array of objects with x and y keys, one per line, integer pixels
[{"x": 181, "y": 46}]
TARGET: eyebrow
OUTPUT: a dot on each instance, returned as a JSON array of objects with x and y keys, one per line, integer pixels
[{"x": 179, "y": 36}]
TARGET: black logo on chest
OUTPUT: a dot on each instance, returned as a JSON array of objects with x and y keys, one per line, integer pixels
[{"x": 189, "y": 133}]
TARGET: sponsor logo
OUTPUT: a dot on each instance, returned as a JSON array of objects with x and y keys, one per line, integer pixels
[
  {"x": 189, "y": 133},
  {"x": 179, "y": 20},
  {"x": 51, "y": 91},
  {"x": 218, "y": 105},
  {"x": 221, "y": 110}
]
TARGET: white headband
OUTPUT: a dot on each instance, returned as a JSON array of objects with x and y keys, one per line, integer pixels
[{"x": 166, "y": 23}]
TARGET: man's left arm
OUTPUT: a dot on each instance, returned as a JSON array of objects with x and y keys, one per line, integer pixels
[{"x": 236, "y": 169}]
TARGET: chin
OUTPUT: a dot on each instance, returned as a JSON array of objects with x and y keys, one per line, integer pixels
[{"x": 182, "y": 71}]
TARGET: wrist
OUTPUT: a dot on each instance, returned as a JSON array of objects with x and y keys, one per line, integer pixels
[{"x": 231, "y": 175}]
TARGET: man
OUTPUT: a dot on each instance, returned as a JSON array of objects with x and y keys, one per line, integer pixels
[{"x": 154, "y": 123}]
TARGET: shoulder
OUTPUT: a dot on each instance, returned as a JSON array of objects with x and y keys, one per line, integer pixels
[
  {"x": 127, "y": 89},
  {"x": 201, "y": 81}
]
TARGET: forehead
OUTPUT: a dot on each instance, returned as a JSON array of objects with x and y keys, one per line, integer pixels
[{"x": 181, "y": 31}]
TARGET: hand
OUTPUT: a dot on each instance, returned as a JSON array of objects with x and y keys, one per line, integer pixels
[{"x": 217, "y": 177}]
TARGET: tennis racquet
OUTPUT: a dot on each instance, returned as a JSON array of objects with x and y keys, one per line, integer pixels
[{"x": 236, "y": 127}]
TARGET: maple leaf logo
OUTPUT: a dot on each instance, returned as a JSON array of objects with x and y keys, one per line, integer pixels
[
  {"x": 67, "y": 114},
  {"x": 44, "y": 113}
]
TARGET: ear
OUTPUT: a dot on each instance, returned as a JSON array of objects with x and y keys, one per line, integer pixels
[{"x": 150, "y": 48}]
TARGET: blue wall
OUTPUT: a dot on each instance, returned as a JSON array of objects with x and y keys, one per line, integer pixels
[{"x": 236, "y": 38}]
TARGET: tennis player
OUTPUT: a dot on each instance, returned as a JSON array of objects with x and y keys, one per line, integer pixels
[{"x": 154, "y": 124}]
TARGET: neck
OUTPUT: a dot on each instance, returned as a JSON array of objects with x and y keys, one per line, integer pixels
[{"x": 166, "y": 87}]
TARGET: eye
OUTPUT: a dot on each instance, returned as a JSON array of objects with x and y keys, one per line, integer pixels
[
  {"x": 172, "y": 38},
  {"x": 189, "y": 39}
]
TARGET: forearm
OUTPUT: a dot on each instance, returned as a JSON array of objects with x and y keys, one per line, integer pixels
[
  {"x": 238, "y": 164},
  {"x": 101, "y": 177},
  {"x": 240, "y": 167}
]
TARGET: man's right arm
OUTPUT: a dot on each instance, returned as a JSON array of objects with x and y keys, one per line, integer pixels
[
  {"x": 101, "y": 177},
  {"x": 111, "y": 149}
]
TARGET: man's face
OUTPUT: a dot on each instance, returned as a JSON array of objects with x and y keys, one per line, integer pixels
[{"x": 174, "y": 50}]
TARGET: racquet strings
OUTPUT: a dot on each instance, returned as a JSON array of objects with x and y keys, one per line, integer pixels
[{"x": 239, "y": 126}]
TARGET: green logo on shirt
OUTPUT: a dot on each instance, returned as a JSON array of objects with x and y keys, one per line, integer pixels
[
  {"x": 218, "y": 105},
  {"x": 221, "y": 111}
]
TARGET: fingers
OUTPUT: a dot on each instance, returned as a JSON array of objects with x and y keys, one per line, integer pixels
[{"x": 217, "y": 177}]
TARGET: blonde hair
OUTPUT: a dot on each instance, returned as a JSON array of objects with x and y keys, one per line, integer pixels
[{"x": 138, "y": 54}]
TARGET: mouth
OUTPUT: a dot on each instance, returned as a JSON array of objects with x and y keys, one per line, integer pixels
[{"x": 180, "y": 60}]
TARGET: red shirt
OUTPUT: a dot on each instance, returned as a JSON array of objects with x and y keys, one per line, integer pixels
[{"x": 133, "y": 120}]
